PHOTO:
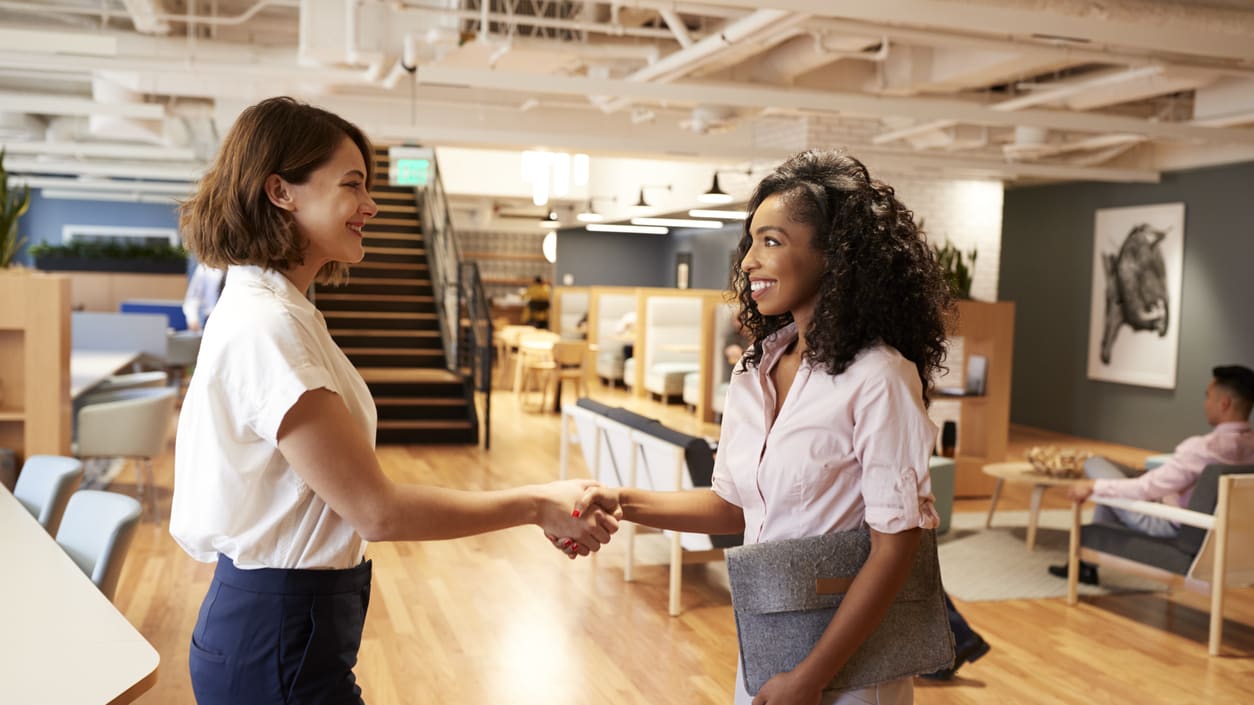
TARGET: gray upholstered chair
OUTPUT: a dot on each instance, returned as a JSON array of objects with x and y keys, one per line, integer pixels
[
  {"x": 97, "y": 533},
  {"x": 1214, "y": 550},
  {"x": 45, "y": 485},
  {"x": 131, "y": 423}
]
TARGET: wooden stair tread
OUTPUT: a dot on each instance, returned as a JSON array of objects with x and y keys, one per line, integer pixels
[
  {"x": 387, "y": 374},
  {"x": 440, "y": 424},
  {"x": 412, "y": 298},
  {"x": 419, "y": 401},
  {"x": 393, "y": 351},
  {"x": 384, "y": 333},
  {"x": 369, "y": 264},
  {"x": 396, "y": 281},
  {"x": 380, "y": 314},
  {"x": 395, "y": 251},
  {"x": 390, "y": 235}
]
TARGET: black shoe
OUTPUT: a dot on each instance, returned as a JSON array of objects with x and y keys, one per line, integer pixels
[
  {"x": 967, "y": 652},
  {"x": 1088, "y": 572}
]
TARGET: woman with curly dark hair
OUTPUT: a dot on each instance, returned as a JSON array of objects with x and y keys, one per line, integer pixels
[{"x": 825, "y": 427}]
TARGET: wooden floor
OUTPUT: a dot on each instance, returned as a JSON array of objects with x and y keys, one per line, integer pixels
[{"x": 503, "y": 618}]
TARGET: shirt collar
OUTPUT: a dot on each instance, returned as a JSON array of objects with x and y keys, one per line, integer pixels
[
  {"x": 271, "y": 280},
  {"x": 1233, "y": 426}
]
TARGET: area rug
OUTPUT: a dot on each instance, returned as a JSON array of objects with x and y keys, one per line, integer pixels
[{"x": 979, "y": 565}]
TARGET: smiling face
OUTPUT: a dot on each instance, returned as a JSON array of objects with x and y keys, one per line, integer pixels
[
  {"x": 782, "y": 264},
  {"x": 331, "y": 207}
]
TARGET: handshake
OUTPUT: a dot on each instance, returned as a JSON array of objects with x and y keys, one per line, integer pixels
[{"x": 579, "y": 516}]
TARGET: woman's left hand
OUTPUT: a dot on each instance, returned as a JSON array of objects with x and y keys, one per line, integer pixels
[{"x": 788, "y": 688}]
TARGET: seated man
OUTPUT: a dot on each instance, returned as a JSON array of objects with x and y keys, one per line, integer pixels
[{"x": 1229, "y": 399}]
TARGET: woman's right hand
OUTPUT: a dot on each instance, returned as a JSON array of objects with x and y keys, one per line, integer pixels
[
  {"x": 597, "y": 503},
  {"x": 584, "y": 530}
]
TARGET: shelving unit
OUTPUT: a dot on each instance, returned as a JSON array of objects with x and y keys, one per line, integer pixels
[
  {"x": 35, "y": 363},
  {"x": 987, "y": 329}
]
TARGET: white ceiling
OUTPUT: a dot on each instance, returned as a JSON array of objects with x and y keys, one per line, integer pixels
[{"x": 1109, "y": 90}]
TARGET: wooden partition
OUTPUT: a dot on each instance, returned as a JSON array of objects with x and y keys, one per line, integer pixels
[
  {"x": 987, "y": 329},
  {"x": 35, "y": 363},
  {"x": 105, "y": 291}
]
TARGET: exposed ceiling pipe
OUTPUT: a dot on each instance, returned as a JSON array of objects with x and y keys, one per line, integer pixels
[
  {"x": 611, "y": 28},
  {"x": 145, "y": 15},
  {"x": 677, "y": 26},
  {"x": 753, "y": 27},
  {"x": 1051, "y": 93},
  {"x": 155, "y": 17}
]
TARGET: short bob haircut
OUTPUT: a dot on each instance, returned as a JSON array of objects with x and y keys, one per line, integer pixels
[
  {"x": 230, "y": 220},
  {"x": 882, "y": 283}
]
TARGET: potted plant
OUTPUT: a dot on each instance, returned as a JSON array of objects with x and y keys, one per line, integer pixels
[
  {"x": 958, "y": 268},
  {"x": 95, "y": 256},
  {"x": 12, "y": 207}
]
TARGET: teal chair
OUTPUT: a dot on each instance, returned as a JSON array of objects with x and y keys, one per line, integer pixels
[
  {"x": 45, "y": 485},
  {"x": 96, "y": 533},
  {"x": 942, "y": 471}
]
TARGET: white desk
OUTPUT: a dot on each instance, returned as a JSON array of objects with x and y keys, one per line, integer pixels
[
  {"x": 62, "y": 641},
  {"x": 89, "y": 368}
]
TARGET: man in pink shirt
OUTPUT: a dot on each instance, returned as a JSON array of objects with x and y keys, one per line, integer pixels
[{"x": 1229, "y": 399}]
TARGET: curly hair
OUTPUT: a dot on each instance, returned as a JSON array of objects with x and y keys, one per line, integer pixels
[
  {"x": 882, "y": 282},
  {"x": 230, "y": 220}
]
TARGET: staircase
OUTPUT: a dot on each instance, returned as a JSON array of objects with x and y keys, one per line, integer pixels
[{"x": 385, "y": 321}]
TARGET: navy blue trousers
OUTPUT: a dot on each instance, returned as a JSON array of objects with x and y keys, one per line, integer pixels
[{"x": 279, "y": 637}]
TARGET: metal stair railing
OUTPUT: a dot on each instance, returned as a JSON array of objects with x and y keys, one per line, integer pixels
[{"x": 461, "y": 306}]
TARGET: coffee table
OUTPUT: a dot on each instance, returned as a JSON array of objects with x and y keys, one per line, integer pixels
[{"x": 1022, "y": 472}]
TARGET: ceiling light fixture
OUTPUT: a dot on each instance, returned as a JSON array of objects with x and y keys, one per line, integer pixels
[
  {"x": 551, "y": 221},
  {"x": 590, "y": 214},
  {"x": 629, "y": 229},
  {"x": 727, "y": 215},
  {"x": 640, "y": 202},
  {"x": 715, "y": 195},
  {"x": 679, "y": 223}
]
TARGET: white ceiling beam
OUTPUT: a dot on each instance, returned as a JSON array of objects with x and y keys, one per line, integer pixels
[
  {"x": 124, "y": 170},
  {"x": 1180, "y": 28},
  {"x": 920, "y": 108},
  {"x": 68, "y": 105},
  {"x": 106, "y": 185},
  {"x": 1049, "y": 93},
  {"x": 34, "y": 41},
  {"x": 118, "y": 150}
]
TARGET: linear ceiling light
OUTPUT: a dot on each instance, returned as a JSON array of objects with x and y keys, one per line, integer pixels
[
  {"x": 629, "y": 229},
  {"x": 728, "y": 215},
  {"x": 715, "y": 195},
  {"x": 678, "y": 222}
]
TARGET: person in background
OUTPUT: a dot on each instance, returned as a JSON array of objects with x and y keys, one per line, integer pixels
[
  {"x": 1227, "y": 405},
  {"x": 845, "y": 307},
  {"x": 536, "y": 303},
  {"x": 203, "y": 291},
  {"x": 275, "y": 475}
]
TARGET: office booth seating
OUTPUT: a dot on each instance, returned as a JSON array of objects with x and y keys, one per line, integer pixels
[
  {"x": 672, "y": 343},
  {"x": 130, "y": 423},
  {"x": 692, "y": 390},
  {"x": 608, "y": 336},
  {"x": 1213, "y": 551},
  {"x": 45, "y": 485},
  {"x": 622, "y": 448},
  {"x": 97, "y": 533}
]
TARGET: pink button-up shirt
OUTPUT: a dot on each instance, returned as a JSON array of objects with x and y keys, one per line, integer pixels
[
  {"x": 1231, "y": 443},
  {"x": 844, "y": 449}
]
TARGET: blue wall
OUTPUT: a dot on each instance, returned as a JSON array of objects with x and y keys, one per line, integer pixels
[{"x": 42, "y": 223}]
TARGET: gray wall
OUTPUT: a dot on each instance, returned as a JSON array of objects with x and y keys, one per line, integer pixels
[
  {"x": 609, "y": 259},
  {"x": 1046, "y": 269}
]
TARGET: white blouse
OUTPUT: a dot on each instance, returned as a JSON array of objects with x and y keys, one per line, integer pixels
[{"x": 234, "y": 492}]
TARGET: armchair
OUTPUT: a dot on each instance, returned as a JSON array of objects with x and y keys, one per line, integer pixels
[{"x": 1214, "y": 550}]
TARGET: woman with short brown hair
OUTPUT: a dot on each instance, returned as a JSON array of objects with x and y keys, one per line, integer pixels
[{"x": 275, "y": 473}]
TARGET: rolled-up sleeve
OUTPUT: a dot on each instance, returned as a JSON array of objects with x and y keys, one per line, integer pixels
[{"x": 893, "y": 440}]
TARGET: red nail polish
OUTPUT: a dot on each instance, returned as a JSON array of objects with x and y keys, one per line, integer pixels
[{"x": 575, "y": 513}]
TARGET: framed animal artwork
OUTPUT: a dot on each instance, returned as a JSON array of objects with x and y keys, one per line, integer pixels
[{"x": 1134, "y": 315}]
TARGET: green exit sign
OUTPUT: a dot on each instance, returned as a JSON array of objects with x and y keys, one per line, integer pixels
[{"x": 410, "y": 172}]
